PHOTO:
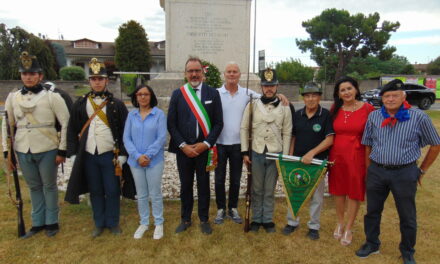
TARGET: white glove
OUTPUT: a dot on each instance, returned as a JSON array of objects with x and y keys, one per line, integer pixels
[
  {"x": 72, "y": 159},
  {"x": 122, "y": 160}
]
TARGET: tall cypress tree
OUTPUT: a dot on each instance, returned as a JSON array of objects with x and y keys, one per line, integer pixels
[{"x": 132, "y": 51}]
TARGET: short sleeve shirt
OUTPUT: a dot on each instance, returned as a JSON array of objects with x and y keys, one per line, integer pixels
[
  {"x": 400, "y": 144},
  {"x": 310, "y": 132}
]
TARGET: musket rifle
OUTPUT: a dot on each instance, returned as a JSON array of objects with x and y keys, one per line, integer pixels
[
  {"x": 249, "y": 169},
  {"x": 12, "y": 164}
]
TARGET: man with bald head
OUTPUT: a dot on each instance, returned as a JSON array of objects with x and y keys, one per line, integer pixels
[{"x": 234, "y": 100}]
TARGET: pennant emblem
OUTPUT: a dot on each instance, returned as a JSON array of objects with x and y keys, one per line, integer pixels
[{"x": 299, "y": 181}]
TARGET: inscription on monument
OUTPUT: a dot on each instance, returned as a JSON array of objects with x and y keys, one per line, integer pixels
[{"x": 208, "y": 33}]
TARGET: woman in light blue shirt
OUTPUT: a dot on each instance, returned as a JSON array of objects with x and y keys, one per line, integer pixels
[{"x": 144, "y": 140}]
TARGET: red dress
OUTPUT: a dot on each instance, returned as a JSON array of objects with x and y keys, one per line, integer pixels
[{"x": 347, "y": 175}]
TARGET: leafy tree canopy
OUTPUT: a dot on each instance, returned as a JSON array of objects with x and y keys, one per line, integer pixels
[
  {"x": 16, "y": 40},
  {"x": 434, "y": 66},
  {"x": 336, "y": 37},
  {"x": 294, "y": 71},
  {"x": 374, "y": 67},
  {"x": 132, "y": 51}
]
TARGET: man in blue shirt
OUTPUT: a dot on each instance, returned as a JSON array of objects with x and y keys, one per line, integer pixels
[{"x": 393, "y": 137}]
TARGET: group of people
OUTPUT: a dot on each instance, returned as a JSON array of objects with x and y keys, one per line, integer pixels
[{"x": 374, "y": 152}]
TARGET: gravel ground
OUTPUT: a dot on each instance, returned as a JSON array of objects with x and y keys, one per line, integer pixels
[{"x": 170, "y": 179}]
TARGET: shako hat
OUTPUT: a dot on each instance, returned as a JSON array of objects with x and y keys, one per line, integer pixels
[
  {"x": 97, "y": 68},
  {"x": 29, "y": 63},
  {"x": 268, "y": 77},
  {"x": 393, "y": 85}
]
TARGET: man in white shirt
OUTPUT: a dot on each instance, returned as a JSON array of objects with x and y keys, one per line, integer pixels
[{"x": 234, "y": 100}]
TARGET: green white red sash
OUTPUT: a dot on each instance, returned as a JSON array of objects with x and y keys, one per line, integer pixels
[{"x": 202, "y": 117}]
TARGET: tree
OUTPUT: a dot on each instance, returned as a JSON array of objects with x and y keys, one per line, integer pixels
[
  {"x": 336, "y": 37},
  {"x": 16, "y": 40},
  {"x": 132, "y": 52},
  {"x": 373, "y": 67},
  {"x": 293, "y": 71},
  {"x": 434, "y": 66}
]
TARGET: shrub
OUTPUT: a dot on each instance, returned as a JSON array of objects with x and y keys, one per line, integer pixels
[
  {"x": 72, "y": 73},
  {"x": 212, "y": 75}
]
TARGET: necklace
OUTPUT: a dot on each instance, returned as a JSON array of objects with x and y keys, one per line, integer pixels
[{"x": 348, "y": 113}]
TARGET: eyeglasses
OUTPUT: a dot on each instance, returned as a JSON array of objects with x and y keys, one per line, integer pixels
[
  {"x": 142, "y": 94},
  {"x": 194, "y": 71}
]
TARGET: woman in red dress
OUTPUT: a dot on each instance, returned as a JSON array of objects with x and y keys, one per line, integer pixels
[{"x": 347, "y": 175}]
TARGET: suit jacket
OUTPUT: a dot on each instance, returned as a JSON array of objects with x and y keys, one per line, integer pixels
[{"x": 182, "y": 122}]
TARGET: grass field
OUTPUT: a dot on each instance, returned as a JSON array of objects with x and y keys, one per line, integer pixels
[{"x": 227, "y": 244}]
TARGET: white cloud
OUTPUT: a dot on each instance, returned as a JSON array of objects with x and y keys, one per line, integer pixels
[{"x": 432, "y": 40}]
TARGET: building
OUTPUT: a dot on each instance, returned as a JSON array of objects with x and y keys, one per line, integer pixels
[{"x": 79, "y": 52}]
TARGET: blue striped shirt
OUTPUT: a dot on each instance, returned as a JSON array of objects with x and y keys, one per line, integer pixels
[
  {"x": 400, "y": 144},
  {"x": 145, "y": 137}
]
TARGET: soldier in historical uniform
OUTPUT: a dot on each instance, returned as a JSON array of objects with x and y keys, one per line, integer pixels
[
  {"x": 94, "y": 136},
  {"x": 33, "y": 111},
  {"x": 271, "y": 132}
]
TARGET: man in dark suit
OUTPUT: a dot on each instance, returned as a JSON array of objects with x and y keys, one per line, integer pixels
[{"x": 194, "y": 122}]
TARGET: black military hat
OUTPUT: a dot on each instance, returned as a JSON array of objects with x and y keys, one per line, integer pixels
[
  {"x": 268, "y": 77},
  {"x": 311, "y": 87},
  {"x": 29, "y": 63},
  {"x": 394, "y": 85},
  {"x": 97, "y": 68}
]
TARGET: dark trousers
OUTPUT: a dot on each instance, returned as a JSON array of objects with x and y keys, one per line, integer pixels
[
  {"x": 403, "y": 185},
  {"x": 186, "y": 167},
  {"x": 104, "y": 189},
  {"x": 233, "y": 153}
]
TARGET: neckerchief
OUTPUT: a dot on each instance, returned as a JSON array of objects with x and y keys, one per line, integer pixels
[
  {"x": 36, "y": 89},
  {"x": 102, "y": 94},
  {"x": 402, "y": 115},
  {"x": 274, "y": 100}
]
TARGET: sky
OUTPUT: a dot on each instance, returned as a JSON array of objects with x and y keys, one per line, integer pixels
[{"x": 278, "y": 22}]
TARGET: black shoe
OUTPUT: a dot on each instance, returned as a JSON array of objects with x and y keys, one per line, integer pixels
[
  {"x": 288, "y": 229},
  {"x": 34, "y": 230},
  {"x": 52, "y": 230},
  {"x": 97, "y": 231},
  {"x": 183, "y": 226},
  {"x": 408, "y": 259},
  {"x": 269, "y": 227},
  {"x": 254, "y": 227},
  {"x": 206, "y": 228},
  {"x": 366, "y": 250},
  {"x": 313, "y": 234},
  {"x": 115, "y": 230}
]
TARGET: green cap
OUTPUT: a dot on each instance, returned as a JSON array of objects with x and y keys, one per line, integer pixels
[{"x": 311, "y": 87}]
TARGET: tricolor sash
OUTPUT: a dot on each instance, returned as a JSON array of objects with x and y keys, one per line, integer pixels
[{"x": 202, "y": 117}]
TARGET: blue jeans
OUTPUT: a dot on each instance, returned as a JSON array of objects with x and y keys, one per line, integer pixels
[
  {"x": 40, "y": 172},
  {"x": 264, "y": 180},
  {"x": 104, "y": 188},
  {"x": 149, "y": 186}
]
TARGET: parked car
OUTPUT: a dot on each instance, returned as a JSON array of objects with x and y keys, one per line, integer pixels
[{"x": 416, "y": 94}]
